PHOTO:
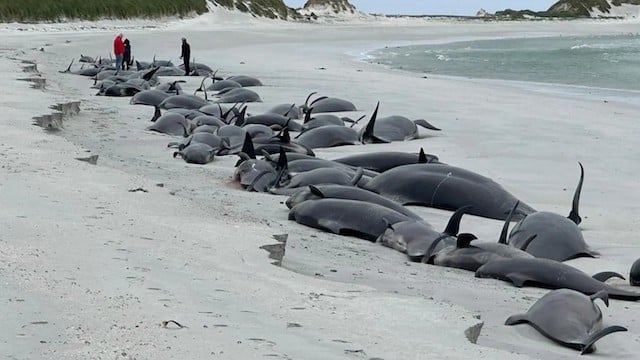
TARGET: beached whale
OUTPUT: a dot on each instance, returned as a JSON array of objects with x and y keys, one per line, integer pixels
[
  {"x": 634, "y": 273},
  {"x": 183, "y": 101},
  {"x": 417, "y": 239},
  {"x": 210, "y": 139},
  {"x": 470, "y": 256},
  {"x": 446, "y": 187},
  {"x": 289, "y": 110},
  {"x": 549, "y": 274},
  {"x": 327, "y": 104},
  {"x": 558, "y": 237},
  {"x": 346, "y": 217},
  {"x": 381, "y": 161},
  {"x": 223, "y": 85},
  {"x": 328, "y": 136},
  {"x": 197, "y": 153},
  {"x": 325, "y": 175},
  {"x": 171, "y": 123},
  {"x": 237, "y": 95},
  {"x": 569, "y": 318},
  {"x": 245, "y": 80},
  {"x": 335, "y": 191},
  {"x": 391, "y": 128}
]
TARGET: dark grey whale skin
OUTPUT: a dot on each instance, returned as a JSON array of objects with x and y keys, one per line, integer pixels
[
  {"x": 569, "y": 318},
  {"x": 549, "y": 274},
  {"x": 447, "y": 187}
]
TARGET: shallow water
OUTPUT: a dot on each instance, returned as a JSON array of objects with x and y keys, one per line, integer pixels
[{"x": 609, "y": 62}]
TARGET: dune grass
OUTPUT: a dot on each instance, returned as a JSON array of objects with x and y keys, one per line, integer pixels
[
  {"x": 266, "y": 8},
  {"x": 58, "y": 10}
]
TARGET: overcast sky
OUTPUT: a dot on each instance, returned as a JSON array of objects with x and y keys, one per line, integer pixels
[{"x": 439, "y": 7}]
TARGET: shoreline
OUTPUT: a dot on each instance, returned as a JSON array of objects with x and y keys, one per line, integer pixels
[
  {"x": 571, "y": 90},
  {"x": 204, "y": 266}
]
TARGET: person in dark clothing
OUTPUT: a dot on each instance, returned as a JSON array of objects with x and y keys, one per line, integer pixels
[
  {"x": 126, "y": 58},
  {"x": 186, "y": 56}
]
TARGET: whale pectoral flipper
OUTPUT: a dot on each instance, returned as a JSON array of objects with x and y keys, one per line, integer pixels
[
  {"x": 587, "y": 345},
  {"x": 527, "y": 242},
  {"x": 330, "y": 225},
  {"x": 425, "y": 124},
  {"x": 517, "y": 319},
  {"x": 518, "y": 280},
  {"x": 602, "y": 295}
]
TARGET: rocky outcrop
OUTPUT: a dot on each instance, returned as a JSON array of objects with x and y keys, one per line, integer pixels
[
  {"x": 578, "y": 8},
  {"x": 329, "y": 6},
  {"x": 587, "y": 8},
  {"x": 482, "y": 13},
  {"x": 273, "y": 9}
]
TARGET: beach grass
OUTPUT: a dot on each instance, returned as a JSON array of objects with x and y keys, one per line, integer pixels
[
  {"x": 60, "y": 10},
  {"x": 266, "y": 8}
]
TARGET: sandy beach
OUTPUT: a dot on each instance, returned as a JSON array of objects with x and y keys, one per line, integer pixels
[{"x": 94, "y": 258}]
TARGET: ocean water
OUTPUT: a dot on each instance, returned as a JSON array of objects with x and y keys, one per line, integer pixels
[{"x": 605, "y": 62}]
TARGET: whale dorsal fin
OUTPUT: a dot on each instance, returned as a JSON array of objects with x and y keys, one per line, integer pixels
[
  {"x": 316, "y": 191},
  {"x": 281, "y": 169},
  {"x": 288, "y": 111},
  {"x": 573, "y": 215},
  {"x": 283, "y": 162},
  {"x": 368, "y": 136},
  {"x": 453, "y": 227},
  {"x": 429, "y": 256},
  {"x": 505, "y": 228},
  {"x": 606, "y": 275},
  {"x": 318, "y": 99},
  {"x": 307, "y": 116},
  {"x": 464, "y": 240},
  {"x": 247, "y": 146},
  {"x": 240, "y": 118},
  {"x": 306, "y": 102},
  {"x": 422, "y": 157}
]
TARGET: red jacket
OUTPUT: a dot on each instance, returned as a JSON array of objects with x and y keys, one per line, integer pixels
[{"x": 118, "y": 46}]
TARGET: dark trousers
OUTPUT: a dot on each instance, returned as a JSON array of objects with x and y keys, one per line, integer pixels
[{"x": 186, "y": 67}]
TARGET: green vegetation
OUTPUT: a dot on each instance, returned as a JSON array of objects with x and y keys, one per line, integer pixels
[
  {"x": 566, "y": 9},
  {"x": 58, "y": 10},
  {"x": 266, "y": 8}
]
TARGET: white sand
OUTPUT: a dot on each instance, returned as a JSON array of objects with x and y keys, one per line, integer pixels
[{"x": 90, "y": 270}]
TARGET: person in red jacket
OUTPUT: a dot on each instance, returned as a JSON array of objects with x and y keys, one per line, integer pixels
[{"x": 118, "y": 50}]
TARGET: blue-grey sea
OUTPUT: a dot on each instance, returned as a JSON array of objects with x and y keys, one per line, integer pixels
[{"x": 595, "y": 62}]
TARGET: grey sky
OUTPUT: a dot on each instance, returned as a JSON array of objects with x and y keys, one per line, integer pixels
[{"x": 439, "y": 7}]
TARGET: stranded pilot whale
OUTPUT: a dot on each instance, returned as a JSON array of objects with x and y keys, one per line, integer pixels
[
  {"x": 446, "y": 187},
  {"x": 569, "y": 318},
  {"x": 558, "y": 237},
  {"x": 550, "y": 274}
]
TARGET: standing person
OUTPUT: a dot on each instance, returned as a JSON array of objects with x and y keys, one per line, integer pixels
[
  {"x": 118, "y": 50},
  {"x": 126, "y": 56},
  {"x": 186, "y": 55}
]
